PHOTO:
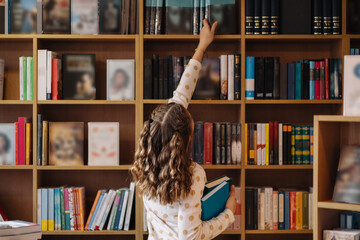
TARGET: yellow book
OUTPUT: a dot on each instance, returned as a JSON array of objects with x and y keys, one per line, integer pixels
[
  {"x": 267, "y": 149},
  {"x": 246, "y": 144},
  {"x": 44, "y": 225},
  {"x": 28, "y": 144},
  {"x": 299, "y": 216}
]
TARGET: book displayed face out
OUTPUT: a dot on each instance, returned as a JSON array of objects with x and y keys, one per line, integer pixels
[
  {"x": 110, "y": 16},
  {"x": 23, "y": 16},
  {"x": 208, "y": 84},
  {"x": 120, "y": 79},
  {"x": 7, "y": 143},
  {"x": 84, "y": 17},
  {"x": 179, "y": 16},
  {"x": 56, "y": 16}
]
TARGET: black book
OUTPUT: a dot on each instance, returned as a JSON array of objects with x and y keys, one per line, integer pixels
[
  {"x": 289, "y": 156},
  {"x": 133, "y": 28},
  {"x": 305, "y": 80},
  {"x": 196, "y": 17},
  {"x": 170, "y": 71},
  {"x": 56, "y": 16},
  {"x": 225, "y": 13},
  {"x": 249, "y": 16},
  {"x": 296, "y": 17},
  {"x": 249, "y": 209},
  {"x": 158, "y": 16},
  {"x": 257, "y": 17},
  {"x": 228, "y": 143},
  {"x": 166, "y": 79},
  {"x": 265, "y": 16},
  {"x": 233, "y": 142},
  {"x": 39, "y": 139},
  {"x": 251, "y": 144},
  {"x": 223, "y": 142},
  {"x": 179, "y": 16},
  {"x": 148, "y": 84},
  {"x": 237, "y": 77},
  {"x": 317, "y": 17},
  {"x": 217, "y": 144},
  {"x": 148, "y": 5},
  {"x": 336, "y": 10},
  {"x": 326, "y": 16},
  {"x": 208, "y": 84},
  {"x": 276, "y": 86},
  {"x": 152, "y": 16},
  {"x": 269, "y": 77},
  {"x": 78, "y": 71},
  {"x": 285, "y": 146},
  {"x": 353, "y": 13},
  {"x": 202, "y": 13},
  {"x": 291, "y": 80},
  {"x": 161, "y": 79},
  {"x": 283, "y": 80},
  {"x": 256, "y": 198},
  {"x": 199, "y": 142},
  {"x": 274, "y": 16},
  {"x": 155, "y": 73},
  {"x": 259, "y": 78},
  {"x": 2, "y": 17}
]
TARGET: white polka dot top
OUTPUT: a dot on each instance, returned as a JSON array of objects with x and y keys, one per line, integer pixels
[{"x": 182, "y": 219}]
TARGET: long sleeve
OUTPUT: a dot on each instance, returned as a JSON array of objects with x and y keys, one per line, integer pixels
[
  {"x": 189, "y": 216},
  {"x": 186, "y": 87}
]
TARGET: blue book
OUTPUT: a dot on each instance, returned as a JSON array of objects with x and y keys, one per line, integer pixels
[
  {"x": 51, "y": 219},
  {"x": 311, "y": 145},
  {"x": 298, "y": 80},
  {"x": 250, "y": 78},
  {"x": 96, "y": 209},
  {"x": 291, "y": 81},
  {"x": 214, "y": 200},
  {"x": 44, "y": 209},
  {"x": 118, "y": 214},
  {"x": 287, "y": 210},
  {"x": 56, "y": 219},
  {"x": 312, "y": 80},
  {"x": 281, "y": 204},
  {"x": 352, "y": 51},
  {"x": 356, "y": 51},
  {"x": 342, "y": 219},
  {"x": 20, "y": 16}
]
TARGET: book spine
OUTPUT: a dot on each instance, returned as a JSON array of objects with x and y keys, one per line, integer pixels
[
  {"x": 312, "y": 80},
  {"x": 322, "y": 80},
  {"x": 310, "y": 210},
  {"x": 340, "y": 77},
  {"x": 21, "y": 78},
  {"x": 291, "y": 81},
  {"x": 170, "y": 76},
  {"x": 305, "y": 210},
  {"x": 51, "y": 218},
  {"x": 258, "y": 143},
  {"x": 251, "y": 159},
  {"x": 276, "y": 143},
  {"x": 237, "y": 77},
  {"x": 199, "y": 142},
  {"x": 148, "y": 91},
  {"x": 24, "y": 77},
  {"x": 281, "y": 210},
  {"x": 262, "y": 209},
  {"x": 147, "y": 16},
  {"x": 326, "y": 16},
  {"x": 257, "y": 17},
  {"x": 317, "y": 80},
  {"x": 208, "y": 143},
  {"x": 66, "y": 209},
  {"x": 311, "y": 145},
  {"x": 250, "y": 78},
  {"x": 268, "y": 208},
  {"x": 298, "y": 81},
  {"x": 238, "y": 143},
  {"x": 38, "y": 212},
  {"x": 233, "y": 144},
  {"x": 223, "y": 77},
  {"x": 263, "y": 143},
  {"x": 44, "y": 209},
  {"x": 298, "y": 145},
  {"x": 155, "y": 74},
  {"x": 217, "y": 147},
  {"x": 306, "y": 145},
  {"x": 269, "y": 77},
  {"x": 331, "y": 79},
  {"x": 267, "y": 144},
  {"x": 249, "y": 16},
  {"x": 158, "y": 16},
  {"x": 161, "y": 79},
  {"x": 29, "y": 78},
  {"x": 336, "y": 78},
  {"x": 112, "y": 195},
  {"x": 21, "y": 141},
  {"x": 117, "y": 218},
  {"x": 129, "y": 206},
  {"x": 246, "y": 143},
  {"x": 223, "y": 142},
  {"x": 256, "y": 210},
  {"x": 259, "y": 78},
  {"x": 285, "y": 145},
  {"x": 249, "y": 209},
  {"x": 96, "y": 211},
  {"x": 196, "y": 17},
  {"x": 237, "y": 215},
  {"x": 280, "y": 142},
  {"x": 16, "y": 126},
  {"x": 28, "y": 143},
  {"x": 293, "y": 210},
  {"x": 274, "y": 17},
  {"x": 265, "y": 16},
  {"x": 202, "y": 13},
  {"x": 2, "y": 72},
  {"x": 276, "y": 78},
  {"x": 317, "y": 21},
  {"x": 298, "y": 210},
  {"x": 41, "y": 78},
  {"x": 165, "y": 79},
  {"x": 82, "y": 208},
  {"x": 283, "y": 80},
  {"x": 54, "y": 79},
  {"x": 113, "y": 212},
  {"x": 122, "y": 216},
  {"x": 62, "y": 209},
  {"x": 305, "y": 79},
  {"x": 271, "y": 143},
  {"x": 48, "y": 75},
  {"x": 287, "y": 215},
  {"x": 291, "y": 142},
  {"x": 56, "y": 214},
  {"x": 230, "y": 77},
  {"x": 275, "y": 210},
  {"x": 71, "y": 208}
]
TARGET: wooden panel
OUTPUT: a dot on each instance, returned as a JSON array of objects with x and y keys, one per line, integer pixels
[
  {"x": 16, "y": 194},
  {"x": 327, "y": 219},
  {"x": 123, "y": 114},
  {"x": 106, "y": 49},
  {"x": 10, "y": 113},
  {"x": 10, "y": 51}
]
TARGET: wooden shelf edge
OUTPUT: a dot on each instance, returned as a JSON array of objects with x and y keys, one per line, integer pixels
[
  {"x": 86, "y": 37},
  {"x": 294, "y": 36},
  {"x": 104, "y": 232},
  {"x": 214, "y": 102},
  {"x": 304, "y": 231},
  {"x": 338, "y": 206},
  {"x": 337, "y": 118},
  {"x": 55, "y": 168},
  {"x": 209, "y": 167},
  {"x": 288, "y": 167},
  {"x": 16, "y": 102},
  {"x": 86, "y": 102},
  {"x": 189, "y": 37},
  {"x": 227, "y": 232},
  {"x": 285, "y": 101},
  {"x": 16, "y": 167}
]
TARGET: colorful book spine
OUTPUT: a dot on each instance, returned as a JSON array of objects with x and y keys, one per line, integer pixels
[
  {"x": 267, "y": 144},
  {"x": 29, "y": 78},
  {"x": 92, "y": 209},
  {"x": 67, "y": 209},
  {"x": 113, "y": 211},
  {"x": 299, "y": 210},
  {"x": 16, "y": 126},
  {"x": 298, "y": 145},
  {"x": 298, "y": 80},
  {"x": 281, "y": 210},
  {"x": 306, "y": 145},
  {"x": 51, "y": 217},
  {"x": 293, "y": 156},
  {"x": 28, "y": 143},
  {"x": 311, "y": 145},
  {"x": 292, "y": 210},
  {"x": 44, "y": 209},
  {"x": 21, "y": 140},
  {"x": 250, "y": 78},
  {"x": 98, "y": 205},
  {"x": 62, "y": 208},
  {"x": 312, "y": 80},
  {"x": 287, "y": 210},
  {"x": 208, "y": 143},
  {"x": 275, "y": 210}
]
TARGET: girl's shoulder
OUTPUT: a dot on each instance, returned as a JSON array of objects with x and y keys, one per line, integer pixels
[{"x": 199, "y": 172}]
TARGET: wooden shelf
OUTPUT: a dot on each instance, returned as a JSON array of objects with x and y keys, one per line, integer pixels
[
  {"x": 98, "y": 168},
  {"x": 99, "y": 37},
  {"x": 16, "y": 167},
  {"x": 338, "y": 206},
  {"x": 348, "y": 119},
  {"x": 227, "y": 232},
  {"x": 215, "y": 167},
  {"x": 16, "y": 102},
  {"x": 189, "y": 37},
  {"x": 87, "y": 102},
  {"x": 208, "y": 102},
  {"x": 305, "y": 231},
  {"x": 285, "y": 167},
  {"x": 104, "y": 232},
  {"x": 294, "y": 37},
  {"x": 284, "y": 101}
]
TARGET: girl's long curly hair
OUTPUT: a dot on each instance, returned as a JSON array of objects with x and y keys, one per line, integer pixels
[{"x": 162, "y": 168}]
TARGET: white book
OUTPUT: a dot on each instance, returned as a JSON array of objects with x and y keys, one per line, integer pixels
[
  {"x": 21, "y": 78},
  {"x": 116, "y": 202},
  {"x": 2, "y": 73},
  {"x": 39, "y": 16},
  {"x": 268, "y": 208},
  {"x": 41, "y": 80},
  {"x": 130, "y": 205},
  {"x": 263, "y": 139},
  {"x": 230, "y": 77},
  {"x": 223, "y": 73},
  {"x": 258, "y": 144},
  {"x": 101, "y": 211},
  {"x": 262, "y": 209},
  {"x": 311, "y": 205},
  {"x": 275, "y": 211},
  {"x": 48, "y": 74},
  {"x": 123, "y": 209},
  {"x": 281, "y": 208},
  {"x": 39, "y": 206},
  {"x": 28, "y": 79},
  {"x": 280, "y": 144},
  {"x": 351, "y": 86},
  {"x": 6, "y": 16},
  {"x": 112, "y": 194}
]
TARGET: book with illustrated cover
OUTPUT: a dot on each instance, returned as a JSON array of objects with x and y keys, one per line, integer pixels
[
  {"x": 103, "y": 143},
  {"x": 7, "y": 144},
  {"x": 84, "y": 17},
  {"x": 110, "y": 16},
  {"x": 179, "y": 16},
  {"x": 341, "y": 235},
  {"x": 22, "y": 16},
  {"x": 66, "y": 143},
  {"x": 120, "y": 79},
  {"x": 208, "y": 84},
  {"x": 56, "y": 16},
  {"x": 351, "y": 86}
]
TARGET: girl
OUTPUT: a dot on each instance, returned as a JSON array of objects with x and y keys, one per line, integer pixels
[{"x": 170, "y": 182}]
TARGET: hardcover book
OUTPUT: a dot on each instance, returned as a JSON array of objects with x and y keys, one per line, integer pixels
[
  {"x": 7, "y": 144},
  {"x": 120, "y": 79},
  {"x": 79, "y": 76},
  {"x": 84, "y": 17},
  {"x": 66, "y": 140},
  {"x": 351, "y": 86},
  {"x": 179, "y": 16},
  {"x": 56, "y": 16},
  {"x": 224, "y": 12},
  {"x": 2, "y": 17},
  {"x": 208, "y": 84},
  {"x": 103, "y": 143},
  {"x": 22, "y": 16},
  {"x": 299, "y": 23},
  {"x": 110, "y": 16}
]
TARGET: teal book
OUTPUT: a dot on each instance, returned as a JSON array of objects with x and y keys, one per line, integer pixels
[
  {"x": 118, "y": 214},
  {"x": 298, "y": 80},
  {"x": 306, "y": 145},
  {"x": 62, "y": 209},
  {"x": 216, "y": 194},
  {"x": 298, "y": 144}
]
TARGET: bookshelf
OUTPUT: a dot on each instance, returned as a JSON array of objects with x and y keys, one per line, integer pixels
[
  {"x": 18, "y": 195},
  {"x": 331, "y": 133}
]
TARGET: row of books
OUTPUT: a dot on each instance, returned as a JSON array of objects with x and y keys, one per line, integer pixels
[
  {"x": 217, "y": 143},
  {"x": 267, "y": 78},
  {"x": 354, "y": 51},
  {"x": 61, "y": 208},
  {"x": 277, "y": 143},
  {"x": 26, "y": 78},
  {"x": 68, "y": 16},
  {"x": 349, "y": 220},
  {"x": 262, "y": 16},
  {"x": 62, "y": 143},
  {"x": 73, "y": 76},
  {"x": 278, "y": 209},
  {"x": 185, "y": 16},
  {"x": 326, "y": 16},
  {"x": 16, "y": 142},
  {"x": 114, "y": 207},
  {"x": 341, "y": 234}
]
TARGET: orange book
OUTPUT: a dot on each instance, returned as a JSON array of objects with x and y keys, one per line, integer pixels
[
  {"x": 93, "y": 209},
  {"x": 28, "y": 143},
  {"x": 246, "y": 144},
  {"x": 81, "y": 198},
  {"x": 76, "y": 209}
]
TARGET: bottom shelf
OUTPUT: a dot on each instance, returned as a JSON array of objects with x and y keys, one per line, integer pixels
[
  {"x": 304, "y": 231},
  {"x": 104, "y": 232}
]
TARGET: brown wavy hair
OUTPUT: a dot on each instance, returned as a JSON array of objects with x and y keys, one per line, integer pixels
[{"x": 163, "y": 168}]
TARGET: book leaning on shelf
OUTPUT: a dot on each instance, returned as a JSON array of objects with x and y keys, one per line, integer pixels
[
  {"x": 16, "y": 142},
  {"x": 19, "y": 230},
  {"x": 277, "y": 143}
]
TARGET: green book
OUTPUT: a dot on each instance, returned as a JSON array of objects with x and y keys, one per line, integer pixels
[
  {"x": 116, "y": 206},
  {"x": 306, "y": 145},
  {"x": 305, "y": 206},
  {"x": 29, "y": 79},
  {"x": 298, "y": 144},
  {"x": 293, "y": 145},
  {"x": 298, "y": 80},
  {"x": 24, "y": 84},
  {"x": 62, "y": 209}
]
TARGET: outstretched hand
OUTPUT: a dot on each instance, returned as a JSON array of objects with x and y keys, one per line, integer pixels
[{"x": 207, "y": 34}]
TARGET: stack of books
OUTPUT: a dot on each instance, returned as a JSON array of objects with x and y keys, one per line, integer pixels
[{"x": 19, "y": 230}]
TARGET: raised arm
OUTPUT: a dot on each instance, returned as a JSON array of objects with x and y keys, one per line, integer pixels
[{"x": 186, "y": 87}]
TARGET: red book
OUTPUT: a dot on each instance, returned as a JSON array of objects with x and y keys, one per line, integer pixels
[
  {"x": 293, "y": 210},
  {"x": 271, "y": 143},
  {"x": 317, "y": 80},
  {"x": 16, "y": 143},
  {"x": 55, "y": 79},
  {"x": 208, "y": 143},
  {"x": 327, "y": 78},
  {"x": 21, "y": 140},
  {"x": 276, "y": 143},
  {"x": 322, "y": 80}
]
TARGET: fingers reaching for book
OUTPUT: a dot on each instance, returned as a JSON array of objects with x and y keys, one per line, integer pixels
[{"x": 231, "y": 202}]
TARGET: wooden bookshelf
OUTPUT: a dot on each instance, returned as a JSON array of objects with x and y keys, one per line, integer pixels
[
  {"x": 21, "y": 202},
  {"x": 331, "y": 133}
]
